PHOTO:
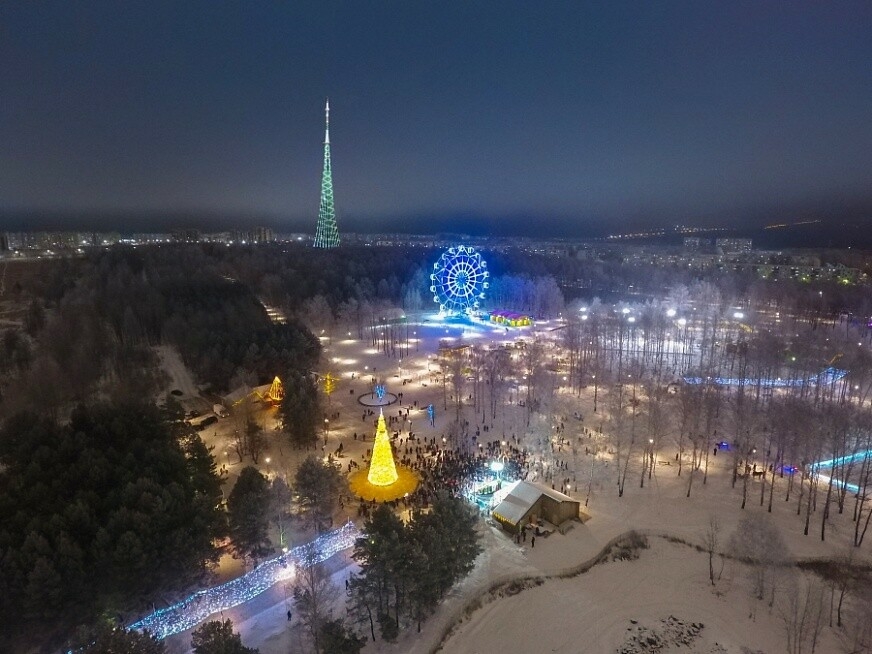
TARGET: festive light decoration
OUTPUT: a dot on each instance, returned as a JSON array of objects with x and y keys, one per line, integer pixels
[
  {"x": 329, "y": 384},
  {"x": 199, "y": 606},
  {"x": 459, "y": 280},
  {"x": 326, "y": 233},
  {"x": 382, "y": 469},
  {"x": 828, "y": 376},
  {"x": 840, "y": 461},
  {"x": 276, "y": 391}
]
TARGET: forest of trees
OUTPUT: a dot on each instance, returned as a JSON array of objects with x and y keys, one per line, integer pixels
[
  {"x": 212, "y": 637},
  {"x": 88, "y": 505},
  {"x": 406, "y": 569},
  {"x": 99, "y": 515}
]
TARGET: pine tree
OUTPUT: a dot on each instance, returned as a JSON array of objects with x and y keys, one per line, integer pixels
[
  {"x": 382, "y": 554},
  {"x": 113, "y": 640},
  {"x": 301, "y": 411},
  {"x": 318, "y": 485},
  {"x": 248, "y": 513},
  {"x": 314, "y": 595},
  {"x": 216, "y": 637},
  {"x": 363, "y": 601},
  {"x": 336, "y": 638},
  {"x": 424, "y": 590}
]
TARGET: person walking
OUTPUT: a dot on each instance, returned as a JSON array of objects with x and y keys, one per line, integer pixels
[
  {"x": 532, "y": 541},
  {"x": 290, "y": 615}
]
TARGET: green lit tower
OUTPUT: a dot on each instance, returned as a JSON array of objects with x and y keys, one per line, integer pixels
[{"x": 327, "y": 234}]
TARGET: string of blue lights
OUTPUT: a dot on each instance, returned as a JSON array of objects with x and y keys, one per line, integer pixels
[
  {"x": 828, "y": 376},
  {"x": 196, "y": 608}
]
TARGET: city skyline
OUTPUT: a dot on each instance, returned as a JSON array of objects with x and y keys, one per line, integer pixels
[{"x": 558, "y": 120}]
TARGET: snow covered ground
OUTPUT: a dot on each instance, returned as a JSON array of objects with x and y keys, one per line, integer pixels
[
  {"x": 655, "y": 603},
  {"x": 588, "y": 613}
]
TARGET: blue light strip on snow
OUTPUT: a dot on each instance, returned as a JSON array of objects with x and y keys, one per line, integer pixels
[
  {"x": 199, "y": 606},
  {"x": 825, "y": 378}
]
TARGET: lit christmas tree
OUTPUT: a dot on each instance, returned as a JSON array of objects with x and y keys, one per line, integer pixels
[
  {"x": 382, "y": 470},
  {"x": 276, "y": 391}
]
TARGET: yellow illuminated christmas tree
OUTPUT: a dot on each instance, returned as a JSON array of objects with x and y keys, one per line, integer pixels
[
  {"x": 329, "y": 386},
  {"x": 382, "y": 470},
  {"x": 276, "y": 391}
]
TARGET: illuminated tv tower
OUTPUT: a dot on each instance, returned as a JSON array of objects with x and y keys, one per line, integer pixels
[{"x": 327, "y": 234}]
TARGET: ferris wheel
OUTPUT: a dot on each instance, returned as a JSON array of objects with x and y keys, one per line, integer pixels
[{"x": 459, "y": 280}]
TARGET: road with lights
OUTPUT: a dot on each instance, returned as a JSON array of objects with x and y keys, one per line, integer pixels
[{"x": 191, "y": 611}]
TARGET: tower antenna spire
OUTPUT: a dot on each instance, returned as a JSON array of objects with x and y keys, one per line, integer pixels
[{"x": 327, "y": 233}]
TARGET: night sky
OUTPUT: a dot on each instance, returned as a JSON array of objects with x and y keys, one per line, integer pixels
[{"x": 535, "y": 117}]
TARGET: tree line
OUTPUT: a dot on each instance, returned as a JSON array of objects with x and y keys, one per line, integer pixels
[
  {"x": 406, "y": 569},
  {"x": 100, "y": 514}
]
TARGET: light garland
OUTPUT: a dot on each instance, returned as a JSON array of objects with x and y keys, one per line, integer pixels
[
  {"x": 189, "y": 612},
  {"x": 828, "y": 376},
  {"x": 382, "y": 469},
  {"x": 840, "y": 461}
]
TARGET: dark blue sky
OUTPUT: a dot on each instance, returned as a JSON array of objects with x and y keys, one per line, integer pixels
[{"x": 541, "y": 116}]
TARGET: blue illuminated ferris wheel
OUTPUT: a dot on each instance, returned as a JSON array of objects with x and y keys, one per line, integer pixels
[{"x": 459, "y": 280}]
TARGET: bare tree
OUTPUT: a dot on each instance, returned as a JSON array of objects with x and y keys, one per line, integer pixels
[
  {"x": 497, "y": 370},
  {"x": 711, "y": 542},
  {"x": 802, "y": 612},
  {"x": 534, "y": 372},
  {"x": 314, "y": 594},
  {"x": 856, "y": 635},
  {"x": 443, "y": 360},
  {"x": 861, "y": 525},
  {"x": 758, "y": 542}
]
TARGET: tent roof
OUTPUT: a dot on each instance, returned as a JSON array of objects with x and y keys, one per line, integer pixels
[
  {"x": 263, "y": 390},
  {"x": 522, "y": 498},
  {"x": 509, "y": 314},
  {"x": 237, "y": 394}
]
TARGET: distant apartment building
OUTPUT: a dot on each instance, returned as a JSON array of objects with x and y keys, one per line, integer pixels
[
  {"x": 251, "y": 236},
  {"x": 147, "y": 238},
  {"x": 733, "y": 245},
  {"x": 186, "y": 235},
  {"x": 696, "y": 244},
  {"x": 261, "y": 235}
]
